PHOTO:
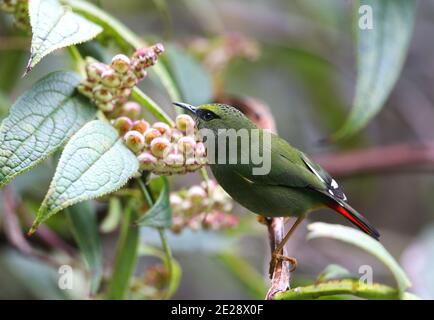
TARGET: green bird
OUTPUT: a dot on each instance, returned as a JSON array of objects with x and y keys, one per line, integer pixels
[{"x": 293, "y": 186}]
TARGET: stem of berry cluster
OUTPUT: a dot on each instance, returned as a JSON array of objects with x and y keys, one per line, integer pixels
[{"x": 147, "y": 195}]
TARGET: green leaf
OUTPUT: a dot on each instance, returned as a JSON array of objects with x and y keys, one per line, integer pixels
[
  {"x": 24, "y": 277},
  {"x": 40, "y": 122},
  {"x": 126, "y": 256},
  {"x": 55, "y": 26},
  {"x": 95, "y": 162},
  {"x": 381, "y": 54},
  {"x": 244, "y": 273},
  {"x": 85, "y": 229},
  {"x": 334, "y": 272},
  {"x": 160, "y": 215},
  {"x": 111, "y": 221},
  {"x": 363, "y": 241},
  {"x": 193, "y": 81}
]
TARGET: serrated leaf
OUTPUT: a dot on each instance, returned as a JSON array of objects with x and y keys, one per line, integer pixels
[
  {"x": 193, "y": 81},
  {"x": 363, "y": 241},
  {"x": 55, "y": 26},
  {"x": 95, "y": 162},
  {"x": 40, "y": 122},
  {"x": 160, "y": 215},
  {"x": 85, "y": 229},
  {"x": 381, "y": 53}
]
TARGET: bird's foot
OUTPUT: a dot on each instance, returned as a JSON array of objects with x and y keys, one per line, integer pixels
[{"x": 280, "y": 257}]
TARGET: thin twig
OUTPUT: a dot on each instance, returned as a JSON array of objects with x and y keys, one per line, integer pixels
[
  {"x": 161, "y": 232},
  {"x": 383, "y": 159}
]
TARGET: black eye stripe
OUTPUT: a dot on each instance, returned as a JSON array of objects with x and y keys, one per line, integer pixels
[{"x": 206, "y": 115}]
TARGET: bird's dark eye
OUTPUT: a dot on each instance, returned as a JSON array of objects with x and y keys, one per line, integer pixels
[{"x": 206, "y": 115}]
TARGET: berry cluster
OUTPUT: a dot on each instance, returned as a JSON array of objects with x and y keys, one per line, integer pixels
[
  {"x": 206, "y": 206},
  {"x": 160, "y": 148},
  {"x": 109, "y": 86},
  {"x": 19, "y": 8}
]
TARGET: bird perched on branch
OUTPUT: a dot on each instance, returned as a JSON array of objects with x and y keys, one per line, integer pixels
[{"x": 291, "y": 186}]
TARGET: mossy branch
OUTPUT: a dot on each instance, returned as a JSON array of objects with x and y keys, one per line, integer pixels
[{"x": 342, "y": 287}]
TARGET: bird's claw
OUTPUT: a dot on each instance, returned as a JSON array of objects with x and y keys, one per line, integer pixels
[{"x": 276, "y": 257}]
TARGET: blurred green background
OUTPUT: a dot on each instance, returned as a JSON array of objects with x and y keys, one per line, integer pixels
[{"x": 302, "y": 65}]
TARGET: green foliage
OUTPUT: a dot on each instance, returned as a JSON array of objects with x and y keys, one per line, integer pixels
[
  {"x": 126, "y": 255},
  {"x": 55, "y": 26},
  {"x": 84, "y": 226},
  {"x": 192, "y": 79},
  {"x": 334, "y": 272},
  {"x": 31, "y": 278},
  {"x": 381, "y": 52},
  {"x": 95, "y": 162},
  {"x": 341, "y": 287},
  {"x": 33, "y": 131},
  {"x": 160, "y": 214},
  {"x": 364, "y": 242}
]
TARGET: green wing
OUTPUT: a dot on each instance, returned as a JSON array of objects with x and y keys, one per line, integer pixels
[{"x": 288, "y": 168}]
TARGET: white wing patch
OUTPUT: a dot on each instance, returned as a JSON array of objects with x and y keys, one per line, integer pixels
[{"x": 332, "y": 186}]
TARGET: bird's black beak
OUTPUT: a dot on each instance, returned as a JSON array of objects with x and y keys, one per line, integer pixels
[{"x": 186, "y": 106}]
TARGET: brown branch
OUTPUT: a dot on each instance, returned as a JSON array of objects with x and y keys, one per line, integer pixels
[
  {"x": 12, "y": 228},
  {"x": 280, "y": 279},
  {"x": 383, "y": 159}
]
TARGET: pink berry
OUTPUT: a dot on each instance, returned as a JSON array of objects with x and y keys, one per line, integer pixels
[
  {"x": 163, "y": 128},
  {"x": 196, "y": 194},
  {"x": 121, "y": 63},
  {"x": 110, "y": 78},
  {"x": 186, "y": 144},
  {"x": 146, "y": 161},
  {"x": 131, "y": 109},
  {"x": 102, "y": 94},
  {"x": 123, "y": 124},
  {"x": 185, "y": 123},
  {"x": 159, "y": 146},
  {"x": 134, "y": 140},
  {"x": 150, "y": 135},
  {"x": 141, "y": 125}
]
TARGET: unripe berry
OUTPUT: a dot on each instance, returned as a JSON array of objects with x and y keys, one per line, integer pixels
[
  {"x": 131, "y": 109},
  {"x": 200, "y": 150},
  {"x": 123, "y": 93},
  {"x": 186, "y": 144},
  {"x": 94, "y": 70},
  {"x": 176, "y": 135},
  {"x": 196, "y": 194},
  {"x": 110, "y": 78},
  {"x": 150, "y": 135},
  {"x": 129, "y": 80},
  {"x": 158, "y": 48},
  {"x": 106, "y": 106},
  {"x": 85, "y": 90},
  {"x": 140, "y": 73},
  {"x": 134, "y": 140},
  {"x": 121, "y": 63},
  {"x": 175, "y": 160},
  {"x": 102, "y": 94},
  {"x": 146, "y": 161},
  {"x": 185, "y": 123},
  {"x": 123, "y": 124},
  {"x": 163, "y": 128},
  {"x": 175, "y": 201},
  {"x": 141, "y": 125},
  {"x": 159, "y": 146}
]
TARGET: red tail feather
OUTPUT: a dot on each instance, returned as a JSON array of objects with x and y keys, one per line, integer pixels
[{"x": 356, "y": 219}]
